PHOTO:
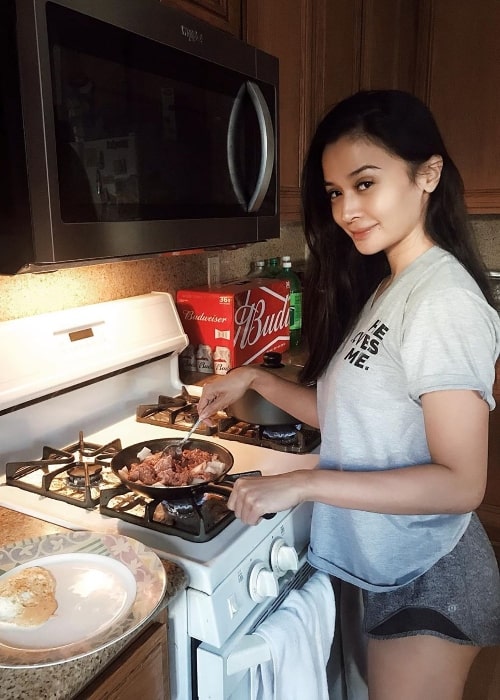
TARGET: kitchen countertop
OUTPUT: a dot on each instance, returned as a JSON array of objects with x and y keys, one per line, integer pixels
[{"x": 64, "y": 681}]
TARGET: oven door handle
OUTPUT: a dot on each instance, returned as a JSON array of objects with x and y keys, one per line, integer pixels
[
  {"x": 267, "y": 146},
  {"x": 252, "y": 650},
  {"x": 224, "y": 674}
]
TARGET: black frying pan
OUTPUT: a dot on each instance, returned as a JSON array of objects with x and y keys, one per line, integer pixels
[{"x": 128, "y": 456}]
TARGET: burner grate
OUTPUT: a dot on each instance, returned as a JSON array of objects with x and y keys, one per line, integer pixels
[
  {"x": 198, "y": 518},
  {"x": 298, "y": 439},
  {"x": 177, "y": 412},
  {"x": 196, "y": 522},
  {"x": 50, "y": 476}
]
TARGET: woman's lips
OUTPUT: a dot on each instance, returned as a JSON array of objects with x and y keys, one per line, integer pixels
[{"x": 361, "y": 234}]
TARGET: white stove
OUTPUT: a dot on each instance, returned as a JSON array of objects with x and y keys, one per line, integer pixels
[{"x": 83, "y": 372}]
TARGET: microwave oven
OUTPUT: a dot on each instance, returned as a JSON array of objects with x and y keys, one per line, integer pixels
[{"x": 127, "y": 129}]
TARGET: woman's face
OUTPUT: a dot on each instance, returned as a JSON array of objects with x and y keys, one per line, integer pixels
[{"x": 373, "y": 198}]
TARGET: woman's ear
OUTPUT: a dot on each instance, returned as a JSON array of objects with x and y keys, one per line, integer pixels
[{"x": 430, "y": 173}]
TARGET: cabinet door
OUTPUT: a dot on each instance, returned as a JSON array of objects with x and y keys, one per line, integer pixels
[
  {"x": 460, "y": 71},
  {"x": 224, "y": 14},
  {"x": 283, "y": 28},
  {"x": 141, "y": 671},
  {"x": 362, "y": 44},
  {"x": 336, "y": 61},
  {"x": 388, "y": 44}
]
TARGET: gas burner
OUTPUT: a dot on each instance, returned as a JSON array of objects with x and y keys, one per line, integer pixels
[
  {"x": 198, "y": 517},
  {"x": 179, "y": 412},
  {"x": 182, "y": 508},
  {"x": 196, "y": 522},
  {"x": 74, "y": 474},
  {"x": 282, "y": 434},
  {"x": 298, "y": 438},
  {"x": 81, "y": 474}
]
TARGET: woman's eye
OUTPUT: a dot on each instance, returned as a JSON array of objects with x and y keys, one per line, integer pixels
[
  {"x": 332, "y": 194},
  {"x": 365, "y": 185}
]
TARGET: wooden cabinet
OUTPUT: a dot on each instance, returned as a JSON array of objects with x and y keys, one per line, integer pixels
[
  {"x": 327, "y": 50},
  {"x": 489, "y": 512},
  {"x": 141, "y": 671},
  {"x": 361, "y": 45},
  {"x": 284, "y": 28},
  {"x": 387, "y": 44},
  {"x": 224, "y": 14},
  {"x": 459, "y": 72}
]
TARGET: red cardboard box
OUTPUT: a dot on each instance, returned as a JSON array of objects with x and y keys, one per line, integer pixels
[{"x": 234, "y": 324}]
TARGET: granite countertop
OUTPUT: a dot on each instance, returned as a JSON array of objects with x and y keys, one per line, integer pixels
[{"x": 63, "y": 681}]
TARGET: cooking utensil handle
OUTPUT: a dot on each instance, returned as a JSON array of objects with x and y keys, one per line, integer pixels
[
  {"x": 191, "y": 430},
  {"x": 233, "y": 477}
]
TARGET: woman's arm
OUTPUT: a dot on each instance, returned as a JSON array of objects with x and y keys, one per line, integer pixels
[
  {"x": 456, "y": 424},
  {"x": 296, "y": 399}
]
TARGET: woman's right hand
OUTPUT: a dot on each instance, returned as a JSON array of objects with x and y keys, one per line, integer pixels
[{"x": 219, "y": 392}]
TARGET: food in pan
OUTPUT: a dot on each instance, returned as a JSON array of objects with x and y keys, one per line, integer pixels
[
  {"x": 157, "y": 469},
  {"x": 27, "y": 598}
]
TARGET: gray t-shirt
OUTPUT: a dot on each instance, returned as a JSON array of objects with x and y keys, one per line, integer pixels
[{"x": 430, "y": 330}]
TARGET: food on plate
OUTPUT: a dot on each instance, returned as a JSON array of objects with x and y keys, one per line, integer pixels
[
  {"x": 27, "y": 598},
  {"x": 158, "y": 469}
]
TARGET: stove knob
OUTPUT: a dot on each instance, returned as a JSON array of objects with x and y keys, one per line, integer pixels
[
  {"x": 262, "y": 583},
  {"x": 283, "y": 558}
]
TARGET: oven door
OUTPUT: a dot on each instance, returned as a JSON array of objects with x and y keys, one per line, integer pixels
[{"x": 224, "y": 673}]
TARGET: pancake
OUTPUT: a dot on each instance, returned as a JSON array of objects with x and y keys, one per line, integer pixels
[{"x": 27, "y": 598}]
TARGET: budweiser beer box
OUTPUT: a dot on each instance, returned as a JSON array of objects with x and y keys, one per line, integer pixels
[{"x": 233, "y": 324}]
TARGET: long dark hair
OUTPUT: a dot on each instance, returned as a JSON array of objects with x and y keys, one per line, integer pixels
[{"x": 338, "y": 279}]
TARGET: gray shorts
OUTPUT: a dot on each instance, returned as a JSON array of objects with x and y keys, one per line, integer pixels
[{"x": 457, "y": 599}]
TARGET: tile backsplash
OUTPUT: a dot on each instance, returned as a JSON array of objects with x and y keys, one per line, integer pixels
[{"x": 31, "y": 294}]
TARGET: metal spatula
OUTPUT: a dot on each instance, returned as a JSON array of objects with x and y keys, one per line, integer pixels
[{"x": 174, "y": 449}]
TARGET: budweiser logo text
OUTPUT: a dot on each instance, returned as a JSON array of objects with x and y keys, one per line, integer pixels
[
  {"x": 253, "y": 323},
  {"x": 190, "y": 315}
]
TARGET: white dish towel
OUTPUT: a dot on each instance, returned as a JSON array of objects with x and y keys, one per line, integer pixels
[{"x": 299, "y": 635}]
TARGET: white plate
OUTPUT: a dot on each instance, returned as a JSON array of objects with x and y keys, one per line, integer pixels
[
  {"x": 106, "y": 586},
  {"x": 92, "y": 593}
]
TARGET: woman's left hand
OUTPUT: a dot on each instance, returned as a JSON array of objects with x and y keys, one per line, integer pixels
[{"x": 252, "y": 497}]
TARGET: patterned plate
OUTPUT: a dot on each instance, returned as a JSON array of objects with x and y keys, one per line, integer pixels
[{"x": 136, "y": 578}]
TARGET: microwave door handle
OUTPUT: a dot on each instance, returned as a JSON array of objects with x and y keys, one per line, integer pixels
[
  {"x": 267, "y": 146},
  {"x": 231, "y": 140}
]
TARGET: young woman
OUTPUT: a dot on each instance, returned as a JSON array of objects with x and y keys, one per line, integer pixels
[{"x": 403, "y": 341}]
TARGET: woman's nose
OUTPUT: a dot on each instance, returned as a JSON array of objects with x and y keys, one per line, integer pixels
[{"x": 349, "y": 208}]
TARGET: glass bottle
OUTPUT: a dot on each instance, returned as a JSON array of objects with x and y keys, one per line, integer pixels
[
  {"x": 273, "y": 268},
  {"x": 295, "y": 301}
]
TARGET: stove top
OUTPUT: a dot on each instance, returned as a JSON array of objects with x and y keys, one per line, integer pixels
[
  {"x": 81, "y": 475},
  {"x": 77, "y": 390}
]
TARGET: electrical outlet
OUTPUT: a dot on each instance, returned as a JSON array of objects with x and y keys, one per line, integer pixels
[{"x": 213, "y": 271}]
